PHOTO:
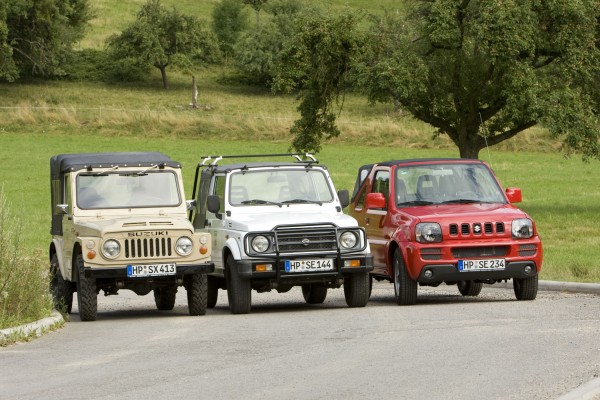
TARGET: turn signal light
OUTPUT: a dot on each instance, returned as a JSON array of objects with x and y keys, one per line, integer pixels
[
  {"x": 352, "y": 263},
  {"x": 203, "y": 249},
  {"x": 263, "y": 267},
  {"x": 91, "y": 255}
]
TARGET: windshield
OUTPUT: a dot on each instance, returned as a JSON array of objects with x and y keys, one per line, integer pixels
[
  {"x": 127, "y": 190},
  {"x": 446, "y": 184},
  {"x": 279, "y": 187}
]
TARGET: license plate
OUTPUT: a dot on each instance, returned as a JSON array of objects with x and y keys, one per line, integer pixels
[
  {"x": 495, "y": 264},
  {"x": 141, "y": 271},
  {"x": 317, "y": 265}
]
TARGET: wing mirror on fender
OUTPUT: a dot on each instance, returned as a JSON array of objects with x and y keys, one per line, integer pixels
[
  {"x": 213, "y": 203},
  {"x": 375, "y": 200},
  {"x": 514, "y": 195},
  {"x": 344, "y": 197}
]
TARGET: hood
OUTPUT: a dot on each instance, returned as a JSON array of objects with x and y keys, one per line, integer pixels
[
  {"x": 465, "y": 212},
  {"x": 266, "y": 221},
  {"x": 101, "y": 227}
]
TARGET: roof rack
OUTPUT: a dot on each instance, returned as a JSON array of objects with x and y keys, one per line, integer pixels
[{"x": 308, "y": 157}]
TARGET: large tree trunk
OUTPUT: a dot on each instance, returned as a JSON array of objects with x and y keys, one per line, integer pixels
[
  {"x": 469, "y": 142},
  {"x": 163, "y": 74}
]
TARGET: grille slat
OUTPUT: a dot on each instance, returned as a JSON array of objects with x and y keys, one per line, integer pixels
[
  {"x": 477, "y": 228},
  {"x": 484, "y": 251},
  {"x": 306, "y": 241},
  {"x": 147, "y": 248}
]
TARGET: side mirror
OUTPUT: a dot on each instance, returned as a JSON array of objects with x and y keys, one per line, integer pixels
[
  {"x": 62, "y": 209},
  {"x": 375, "y": 200},
  {"x": 344, "y": 197},
  {"x": 190, "y": 205},
  {"x": 213, "y": 203},
  {"x": 514, "y": 195}
]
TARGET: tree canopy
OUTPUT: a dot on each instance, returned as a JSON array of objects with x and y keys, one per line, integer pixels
[
  {"x": 161, "y": 37},
  {"x": 480, "y": 72},
  {"x": 37, "y": 36}
]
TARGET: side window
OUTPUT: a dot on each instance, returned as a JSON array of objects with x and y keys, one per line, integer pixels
[
  {"x": 381, "y": 184},
  {"x": 360, "y": 202}
]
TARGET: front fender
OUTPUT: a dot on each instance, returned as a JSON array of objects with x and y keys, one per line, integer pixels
[
  {"x": 56, "y": 247},
  {"x": 234, "y": 247}
]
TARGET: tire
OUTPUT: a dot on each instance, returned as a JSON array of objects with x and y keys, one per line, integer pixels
[
  {"x": 469, "y": 288},
  {"x": 197, "y": 289},
  {"x": 526, "y": 289},
  {"x": 213, "y": 292},
  {"x": 314, "y": 293},
  {"x": 356, "y": 289},
  {"x": 370, "y": 285},
  {"x": 87, "y": 297},
  {"x": 164, "y": 297},
  {"x": 239, "y": 292},
  {"x": 61, "y": 290},
  {"x": 405, "y": 289}
]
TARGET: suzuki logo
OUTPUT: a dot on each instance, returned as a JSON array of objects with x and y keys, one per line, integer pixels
[
  {"x": 305, "y": 242},
  {"x": 477, "y": 228}
]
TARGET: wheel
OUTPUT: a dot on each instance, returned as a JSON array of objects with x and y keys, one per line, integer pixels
[
  {"x": 526, "y": 289},
  {"x": 164, "y": 297},
  {"x": 239, "y": 292},
  {"x": 314, "y": 293},
  {"x": 356, "y": 289},
  {"x": 197, "y": 289},
  {"x": 87, "y": 297},
  {"x": 405, "y": 288},
  {"x": 370, "y": 285},
  {"x": 213, "y": 292},
  {"x": 61, "y": 290},
  {"x": 469, "y": 288}
]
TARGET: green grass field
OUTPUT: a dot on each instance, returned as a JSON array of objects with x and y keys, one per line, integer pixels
[{"x": 38, "y": 120}]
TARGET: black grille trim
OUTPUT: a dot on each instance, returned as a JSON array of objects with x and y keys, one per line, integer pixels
[
  {"x": 147, "y": 248},
  {"x": 484, "y": 251},
  {"x": 477, "y": 228}
]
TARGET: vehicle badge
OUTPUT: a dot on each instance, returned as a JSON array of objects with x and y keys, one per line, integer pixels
[
  {"x": 477, "y": 228},
  {"x": 305, "y": 242}
]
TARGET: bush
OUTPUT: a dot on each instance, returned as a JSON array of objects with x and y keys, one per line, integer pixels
[{"x": 24, "y": 278}]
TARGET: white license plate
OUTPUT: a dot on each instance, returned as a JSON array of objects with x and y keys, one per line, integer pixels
[
  {"x": 317, "y": 265},
  {"x": 140, "y": 271},
  {"x": 494, "y": 264}
]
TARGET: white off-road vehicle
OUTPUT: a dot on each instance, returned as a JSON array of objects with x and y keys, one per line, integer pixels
[
  {"x": 119, "y": 221},
  {"x": 276, "y": 225}
]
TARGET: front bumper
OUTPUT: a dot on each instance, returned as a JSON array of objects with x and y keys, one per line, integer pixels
[
  {"x": 121, "y": 272},
  {"x": 247, "y": 269},
  {"x": 450, "y": 273}
]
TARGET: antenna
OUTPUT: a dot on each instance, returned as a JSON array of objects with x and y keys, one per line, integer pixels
[{"x": 483, "y": 130}]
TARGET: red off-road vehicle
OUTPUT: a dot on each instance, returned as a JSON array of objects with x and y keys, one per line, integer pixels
[{"x": 433, "y": 221}]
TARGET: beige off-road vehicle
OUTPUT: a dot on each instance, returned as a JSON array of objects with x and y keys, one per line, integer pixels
[{"x": 119, "y": 222}]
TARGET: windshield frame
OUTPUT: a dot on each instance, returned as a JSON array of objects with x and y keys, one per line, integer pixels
[
  {"x": 462, "y": 183},
  {"x": 158, "y": 195},
  {"x": 241, "y": 193}
]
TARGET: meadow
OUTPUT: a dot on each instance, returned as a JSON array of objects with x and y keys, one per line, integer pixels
[{"x": 44, "y": 118}]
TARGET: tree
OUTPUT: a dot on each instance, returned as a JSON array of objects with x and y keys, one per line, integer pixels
[
  {"x": 162, "y": 38},
  {"x": 481, "y": 72},
  {"x": 229, "y": 19},
  {"x": 316, "y": 61},
  {"x": 257, "y": 5},
  {"x": 37, "y": 36}
]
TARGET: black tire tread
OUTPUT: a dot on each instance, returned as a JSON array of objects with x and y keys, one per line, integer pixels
[
  {"x": 197, "y": 291},
  {"x": 357, "y": 289}
]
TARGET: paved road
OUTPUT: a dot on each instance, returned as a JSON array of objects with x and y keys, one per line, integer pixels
[{"x": 446, "y": 347}]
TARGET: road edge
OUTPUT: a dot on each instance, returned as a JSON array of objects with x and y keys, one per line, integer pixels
[{"x": 36, "y": 328}]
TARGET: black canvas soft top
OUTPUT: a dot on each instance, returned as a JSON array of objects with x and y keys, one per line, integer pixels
[{"x": 73, "y": 162}]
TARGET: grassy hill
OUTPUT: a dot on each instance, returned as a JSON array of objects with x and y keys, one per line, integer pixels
[{"x": 40, "y": 119}]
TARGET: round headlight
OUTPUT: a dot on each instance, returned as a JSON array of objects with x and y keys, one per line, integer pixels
[
  {"x": 184, "y": 246},
  {"x": 111, "y": 248},
  {"x": 260, "y": 244},
  {"x": 348, "y": 240},
  {"x": 428, "y": 232},
  {"x": 522, "y": 228}
]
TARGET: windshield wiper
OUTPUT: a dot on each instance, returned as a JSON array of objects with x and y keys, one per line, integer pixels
[
  {"x": 416, "y": 203},
  {"x": 301, "y": 201},
  {"x": 465, "y": 201},
  {"x": 260, "y": 201}
]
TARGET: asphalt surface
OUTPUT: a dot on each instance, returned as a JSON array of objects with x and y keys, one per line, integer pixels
[{"x": 588, "y": 390}]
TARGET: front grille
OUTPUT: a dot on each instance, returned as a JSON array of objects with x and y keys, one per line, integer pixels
[
  {"x": 484, "y": 251},
  {"x": 477, "y": 228},
  {"x": 147, "y": 247},
  {"x": 431, "y": 253},
  {"x": 305, "y": 240},
  {"x": 527, "y": 250}
]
